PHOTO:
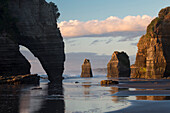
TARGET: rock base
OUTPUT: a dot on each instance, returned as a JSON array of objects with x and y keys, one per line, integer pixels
[
  {"x": 108, "y": 82},
  {"x": 20, "y": 79}
]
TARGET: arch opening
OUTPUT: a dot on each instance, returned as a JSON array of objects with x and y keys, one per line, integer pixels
[{"x": 36, "y": 67}]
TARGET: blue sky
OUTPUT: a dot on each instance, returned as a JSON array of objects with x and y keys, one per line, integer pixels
[
  {"x": 94, "y": 29},
  {"x": 100, "y": 27},
  {"x": 100, "y": 9}
]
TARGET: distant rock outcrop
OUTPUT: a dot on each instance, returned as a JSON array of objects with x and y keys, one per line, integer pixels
[
  {"x": 153, "y": 57},
  {"x": 32, "y": 24},
  {"x": 86, "y": 69},
  {"x": 119, "y": 65}
]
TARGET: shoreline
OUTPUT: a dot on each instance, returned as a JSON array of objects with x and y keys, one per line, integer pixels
[
  {"x": 88, "y": 96},
  {"x": 145, "y": 106}
]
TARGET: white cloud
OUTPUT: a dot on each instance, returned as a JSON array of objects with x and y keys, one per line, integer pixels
[{"x": 76, "y": 28}]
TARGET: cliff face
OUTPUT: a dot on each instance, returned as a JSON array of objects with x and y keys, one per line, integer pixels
[
  {"x": 119, "y": 65},
  {"x": 38, "y": 31},
  {"x": 86, "y": 69},
  {"x": 12, "y": 62},
  {"x": 153, "y": 57}
]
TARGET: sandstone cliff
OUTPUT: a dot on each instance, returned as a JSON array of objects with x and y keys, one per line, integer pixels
[
  {"x": 86, "y": 69},
  {"x": 153, "y": 57},
  {"x": 119, "y": 65},
  {"x": 37, "y": 30}
]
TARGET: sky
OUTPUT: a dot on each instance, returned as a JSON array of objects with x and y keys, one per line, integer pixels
[
  {"x": 94, "y": 29},
  {"x": 85, "y": 10}
]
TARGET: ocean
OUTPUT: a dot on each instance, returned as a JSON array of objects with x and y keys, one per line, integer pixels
[{"x": 86, "y": 95}]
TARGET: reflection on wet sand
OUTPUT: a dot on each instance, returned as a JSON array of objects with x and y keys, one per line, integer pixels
[
  {"x": 86, "y": 86},
  {"x": 54, "y": 103},
  {"x": 22, "y": 99},
  {"x": 115, "y": 90},
  {"x": 152, "y": 97},
  {"x": 9, "y": 98}
]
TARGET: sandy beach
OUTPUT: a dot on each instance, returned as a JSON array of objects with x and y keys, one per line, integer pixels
[{"x": 86, "y": 95}]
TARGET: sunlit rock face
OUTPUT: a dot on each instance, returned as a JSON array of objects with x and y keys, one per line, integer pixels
[
  {"x": 86, "y": 69},
  {"x": 119, "y": 65},
  {"x": 153, "y": 57},
  {"x": 38, "y": 31}
]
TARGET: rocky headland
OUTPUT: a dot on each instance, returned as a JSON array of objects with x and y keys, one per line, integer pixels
[
  {"x": 153, "y": 56},
  {"x": 86, "y": 69},
  {"x": 119, "y": 65},
  {"x": 32, "y": 24}
]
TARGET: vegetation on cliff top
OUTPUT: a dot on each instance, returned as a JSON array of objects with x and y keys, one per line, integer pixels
[
  {"x": 164, "y": 12},
  {"x": 152, "y": 26},
  {"x": 55, "y": 8},
  {"x": 151, "y": 31}
]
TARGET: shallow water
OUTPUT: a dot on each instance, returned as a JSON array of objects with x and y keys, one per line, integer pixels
[{"x": 85, "y": 95}]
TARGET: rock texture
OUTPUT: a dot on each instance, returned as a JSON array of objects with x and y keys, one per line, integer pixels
[
  {"x": 119, "y": 65},
  {"x": 153, "y": 57},
  {"x": 86, "y": 69},
  {"x": 20, "y": 79},
  {"x": 12, "y": 62},
  {"x": 108, "y": 82},
  {"x": 36, "y": 30}
]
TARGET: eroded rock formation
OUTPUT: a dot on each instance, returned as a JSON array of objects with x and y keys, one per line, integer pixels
[
  {"x": 86, "y": 69},
  {"x": 37, "y": 30},
  {"x": 108, "y": 82},
  {"x": 12, "y": 62},
  {"x": 119, "y": 65},
  {"x": 153, "y": 57}
]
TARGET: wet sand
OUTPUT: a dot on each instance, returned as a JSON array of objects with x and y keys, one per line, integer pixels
[
  {"x": 86, "y": 95},
  {"x": 146, "y": 107}
]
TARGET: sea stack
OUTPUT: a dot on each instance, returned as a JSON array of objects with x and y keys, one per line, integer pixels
[
  {"x": 86, "y": 69},
  {"x": 119, "y": 65},
  {"x": 31, "y": 23},
  {"x": 153, "y": 56}
]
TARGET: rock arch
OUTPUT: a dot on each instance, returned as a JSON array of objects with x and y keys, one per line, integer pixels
[
  {"x": 36, "y": 30},
  {"x": 36, "y": 67}
]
